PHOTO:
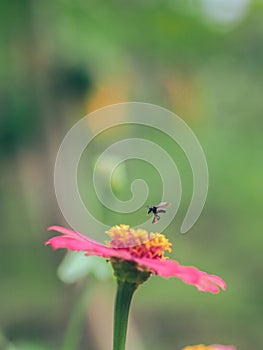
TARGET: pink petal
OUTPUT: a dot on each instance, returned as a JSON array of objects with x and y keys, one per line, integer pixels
[
  {"x": 76, "y": 241},
  {"x": 188, "y": 274},
  {"x": 73, "y": 234},
  {"x": 171, "y": 268},
  {"x": 211, "y": 283},
  {"x": 223, "y": 347}
]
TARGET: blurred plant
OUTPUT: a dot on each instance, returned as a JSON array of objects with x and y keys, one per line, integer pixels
[
  {"x": 135, "y": 255},
  {"x": 6, "y": 344},
  {"x": 73, "y": 268}
]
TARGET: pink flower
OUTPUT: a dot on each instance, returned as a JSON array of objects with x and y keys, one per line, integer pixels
[
  {"x": 223, "y": 347},
  {"x": 144, "y": 249},
  {"x": 210, "y": 347}
]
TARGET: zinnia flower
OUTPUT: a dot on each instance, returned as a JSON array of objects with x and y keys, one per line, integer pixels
[
  {"x": 136, "y": 252},
  {"x": 210, "y": 347},
  {"x": 135, "y": 255}
]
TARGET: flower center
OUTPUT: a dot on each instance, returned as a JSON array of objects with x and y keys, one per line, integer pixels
[{"x": 140, "y": 243}]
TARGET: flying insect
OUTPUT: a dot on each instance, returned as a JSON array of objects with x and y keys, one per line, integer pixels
[{"x": 157, "y": 209}]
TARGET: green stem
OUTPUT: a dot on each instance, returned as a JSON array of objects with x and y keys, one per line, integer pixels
[{"x": 121, "y": 313}]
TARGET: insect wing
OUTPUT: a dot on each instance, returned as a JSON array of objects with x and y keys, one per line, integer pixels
[
  {"x": 161, "y": 211},
  {"x": 162, "y": 205}
]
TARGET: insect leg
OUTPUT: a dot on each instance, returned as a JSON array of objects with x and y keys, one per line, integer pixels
[{"x": 156, "y": 218}]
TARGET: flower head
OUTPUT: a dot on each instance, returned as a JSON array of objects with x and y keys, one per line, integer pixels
[
  {"x": 198, "y": 347},
  {"x": 134, "y": 251},
  {"x": 210, "y": 347},
  {"x": 140, "y": 243}
]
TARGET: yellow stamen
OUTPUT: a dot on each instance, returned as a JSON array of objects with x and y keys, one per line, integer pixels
[{"x": 139, "y": 242}]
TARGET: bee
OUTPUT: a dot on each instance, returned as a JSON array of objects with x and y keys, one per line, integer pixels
[{"x": 157, "y": 209}]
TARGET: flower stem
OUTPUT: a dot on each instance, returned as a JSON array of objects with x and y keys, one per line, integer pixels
[{"x": 121, "y": 313}]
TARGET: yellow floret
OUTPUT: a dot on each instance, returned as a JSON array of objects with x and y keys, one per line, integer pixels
[
  {"x": 139, "y": 242},
  {"x": 198, "y": 347}
]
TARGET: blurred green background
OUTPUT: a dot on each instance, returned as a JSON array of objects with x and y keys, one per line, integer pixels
[{"x": 201, "y": 59}]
